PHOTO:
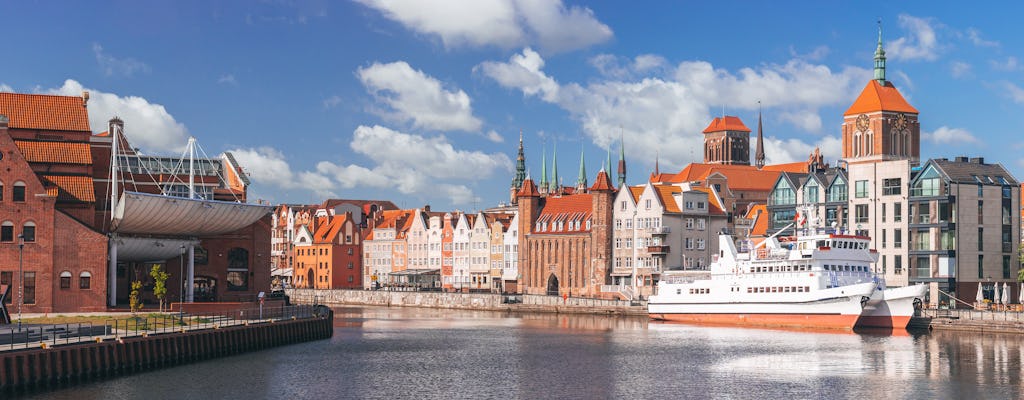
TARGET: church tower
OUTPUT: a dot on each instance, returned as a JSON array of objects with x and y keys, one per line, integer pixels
[
  {"x": 517, "y": 181},
  {"x": 881, "y": 125},
  {"x": 727, "y": 141}
]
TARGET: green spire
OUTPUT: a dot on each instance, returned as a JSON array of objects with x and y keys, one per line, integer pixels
[
  {"x": 880, "y": 57},
  {"x": 622, "y": 161},
  {"x": 544, "y": 168},
  {"x": 609, "y": 167},
  {"x": 581, "y": 181},
  {"x": 554, "y": 166},
  {"x": 517, "y": 182}
]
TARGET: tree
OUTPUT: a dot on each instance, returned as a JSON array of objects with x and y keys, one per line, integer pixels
[
  {"x": 1020, "y": 259},
  {"x": 160, "y": 284},
  {"x": 133, "y": 300}
]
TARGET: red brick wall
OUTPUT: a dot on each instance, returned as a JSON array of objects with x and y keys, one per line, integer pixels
[{"x": 78, "y": 249}]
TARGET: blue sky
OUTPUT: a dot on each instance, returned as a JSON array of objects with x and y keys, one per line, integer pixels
[{"x": 422, "y": 102}]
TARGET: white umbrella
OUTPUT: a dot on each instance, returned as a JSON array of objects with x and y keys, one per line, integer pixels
[
  {"x": 981, "y": 295},
  {"x": 995, "y": 297},
  {"x": 1020, "y": 297},
  {"x": 1006, "y": 293}
]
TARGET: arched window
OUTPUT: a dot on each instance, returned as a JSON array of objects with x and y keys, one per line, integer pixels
[
  {"x": 85, "y": 280},
  {"x": 29, "y": 231},
  {"x": 65, "y": 280},
  {"x": 19, "y": 191},
  {"x": 869, "y": 143},
  {"x": 856, "y": 144},
  {"x": 7, "y": 231},
  {"x": 1, "y": 191},
  {"x": 238, "y": 269}
]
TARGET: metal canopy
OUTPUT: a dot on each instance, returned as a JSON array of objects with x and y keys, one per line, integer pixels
[
  {"x": 154, "y": 214},
  {"x": 144, "y": 249}
]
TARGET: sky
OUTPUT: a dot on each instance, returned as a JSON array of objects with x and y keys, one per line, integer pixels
[{"x": 423, "y": 102}]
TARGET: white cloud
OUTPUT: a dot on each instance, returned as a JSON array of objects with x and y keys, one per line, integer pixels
[
  {"x": 816, "y": 54},
  {"x": 6, "y": 88},
  {"x": 975, "y": 38},
  {"x": 1011, "y": 64},
  {"x": 332, "y": 101},
  {"x": 779, "y": 151},
  {"x": 960, "y": 69},
  {"x": 612, "y": 66},
  {"x": 1015, "y": 92},
  {"x": 268, "y": 166},
  {"x": 906, "y": 79},
  {"x": 147, "y": 125},
  {"x": 549, "y": 25},
  {"x": 227, "y": 79},
  {"x": 922, "y": 44},
  {"x": 417, "y": 97},
  {"x": 495, "y": 137},
  {"x": 111, "y": 65},
  {"x": 668, "y": 114},
  {"x": 947, "y": 135}
]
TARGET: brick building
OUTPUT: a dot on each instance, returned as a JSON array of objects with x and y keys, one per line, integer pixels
[{"x": 331, "y": 256}]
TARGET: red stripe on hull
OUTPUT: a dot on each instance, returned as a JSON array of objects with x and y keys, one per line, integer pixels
[
  {"x": 883, "y": 321},
  {"x": 832, "y": 321}
]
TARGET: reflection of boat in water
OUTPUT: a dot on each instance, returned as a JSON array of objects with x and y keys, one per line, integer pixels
[
  {"x": 818, "y": 281},
  {"x": 891, "y": 307}
]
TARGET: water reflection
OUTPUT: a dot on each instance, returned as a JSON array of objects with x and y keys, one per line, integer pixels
[{"x": 389, "y": 353}]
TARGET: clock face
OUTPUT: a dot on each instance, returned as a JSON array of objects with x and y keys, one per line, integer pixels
[
  {"x": 901, "y": 123},
  {"x": 862, "y": 123}
]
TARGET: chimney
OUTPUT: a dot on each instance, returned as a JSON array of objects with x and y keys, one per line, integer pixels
[
  {"x": 4, "y": 121},
  {"x": 426, "y": 208},
  {"x": 960, "y": 159},
  {"x": 978, "y": 160},
  {"x": 85, "y": 98}
]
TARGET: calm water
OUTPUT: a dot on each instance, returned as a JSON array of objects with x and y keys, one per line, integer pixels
[{"x": 381, "y": 353}]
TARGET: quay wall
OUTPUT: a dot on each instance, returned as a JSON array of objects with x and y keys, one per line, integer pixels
[
  {"x": 974, "y": 320},
  {"x": 42, "y": 368},
  {"x": 466, "y": 301}
]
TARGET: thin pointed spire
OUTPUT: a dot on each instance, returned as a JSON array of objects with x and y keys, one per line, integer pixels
[
  {"x": 880, "y": 57},
  {"x": 657, "y": 155},
  {"x": 544, "y": 167},
  {"x": 581, "y": 180},
  {"x": 759, "y": 155},
  {"x": 517, "y": 181},
  {"x": 622, "y": 158},
  {"x": 609, "y": 164},
  {"x": 555, "y": 182}
]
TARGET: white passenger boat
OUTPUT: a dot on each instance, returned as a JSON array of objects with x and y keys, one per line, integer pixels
[
  {"x": 817, "y": 281},
  {"x": 891, "y": 307}
]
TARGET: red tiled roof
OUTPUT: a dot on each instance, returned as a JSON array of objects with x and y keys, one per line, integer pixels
[
  {"x": 70, "y": 188},
  {"x": 529, "y": 189},
  {"x": 726, "y": 123},
  {"x": 740, "y": 177},
  {"x": 56, "y": 152},
  {"x": 45, "y": 112},
  {"x": 636, "y": 191},
  {"x": 760, "y": 212},
  {"x": 602, "y": 182},
  {"x": 328, "y": 232},
  {"x": 876, "y": 97},
  {"x": 565, "y": 209},
  {"x": 667, "y": 201},
  {"x": 714, "y": 207},
  {"x": 799, "y": 167}
]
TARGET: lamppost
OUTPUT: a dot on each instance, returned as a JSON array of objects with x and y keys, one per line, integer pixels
[
  {"x": 181, "y": 287},
  {"x": 21, "y": 276}
]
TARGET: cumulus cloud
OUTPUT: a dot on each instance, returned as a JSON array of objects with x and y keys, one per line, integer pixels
[
  {"x": 921, "y": 44},
  {"x": 429, "y": 167},
  {"x": 494, "y": 137},
  {"x": 6, "y": 88},
  {"x": 668, "y": 113},
  {"x": 612, "y": 66},
  {"x": 549, "y": 25},
  {"x": 147, "y": 125},
  {"x": 947, "y": 135},
  {"x": 111, "y": 65},
  {"x": 779, "y": 151},
  {"x": 414, "y": 96}
]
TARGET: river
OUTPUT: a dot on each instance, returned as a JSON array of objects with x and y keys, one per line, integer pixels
[{"x": 392, "y": 353}]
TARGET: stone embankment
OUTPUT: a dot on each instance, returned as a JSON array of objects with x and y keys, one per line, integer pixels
[
  {"x": 975, "y": 320},
  {"x": 467, "y": 301}
]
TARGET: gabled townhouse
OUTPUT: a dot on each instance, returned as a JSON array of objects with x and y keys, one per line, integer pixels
[
  {"x": 510, "y": 275},
  {"x": 479, "y": 252}
]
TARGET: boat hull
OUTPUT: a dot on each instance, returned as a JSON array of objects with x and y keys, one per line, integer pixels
[
  {"x": 891, "y": 308},
  {"x": 814, "y": 321}
]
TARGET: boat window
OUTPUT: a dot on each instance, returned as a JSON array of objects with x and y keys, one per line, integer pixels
[
  {"x": 807, "y": 288},
  {"x": 749, "y": 290},
  {"x": 787, "y": 289},
  {"x": 679, "y": 291},
  {"x": 821, "y": 243}
]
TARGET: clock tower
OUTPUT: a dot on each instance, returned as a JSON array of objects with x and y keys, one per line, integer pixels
[{"x": 881, "y": 125}]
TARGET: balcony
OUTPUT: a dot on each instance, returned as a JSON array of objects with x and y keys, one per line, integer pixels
[
  {"x": 661, "y": 230},
  {"x": 657, "y": 249}
]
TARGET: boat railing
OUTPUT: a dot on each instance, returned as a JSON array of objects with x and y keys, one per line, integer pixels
[{"x": 771, "y": 254}]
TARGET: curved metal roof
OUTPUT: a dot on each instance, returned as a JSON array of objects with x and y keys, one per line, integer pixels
[
  {"x": 143, "y": 249},
  {"x": 153, "y": 214}
]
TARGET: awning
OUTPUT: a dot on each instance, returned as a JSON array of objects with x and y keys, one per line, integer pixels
[
  {"x": 281, "y": 272},
  {"x": 169, "y": 215},
  {"x": 142, "y": 249}
]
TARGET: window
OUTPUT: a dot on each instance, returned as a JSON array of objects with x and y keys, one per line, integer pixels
[
  {"x": 618, "y": 224},
  {"x": 897, "y": 238},
  {"x": 700, "y": 224},
  {"x": 689, "y": 223},
  {"x": 811, "y": 192},
  {"x": 861, "y": 213},
  {"x": 883, "y": 238},
  {"x": 622, "y": 205},
  {"x": 29, "y": 232},
  {"x": 30, "y": 287},
  {"x": 7, "y": 232},
  {"x": 783, "y": 194},
  {"x": 1006, "y": 267},
  {"x": 1, "y": 190},
  {"x": 238, "y": 269},
  {"x": 891, "y": 186},
  {"x": 981, "y": 268},
  {"x": 19, "y": 192},
  {"x": 7, "y": 278},
  {"x": 700, "y": 205},
  {"x": 85, "y": 280},
  {"x": 861, "y": 189},
  {"x": 897, "y": 212},
  {"x": 927, "y": 183},
  {"x": 647, "y": 204},
  {"x": 883, "y": 212},
  {"x": 897, "y": 265},
  {"x": 981, "y": 241},
  {"x": 837, "y": 193},
  {"x": 65, "y": 280}
]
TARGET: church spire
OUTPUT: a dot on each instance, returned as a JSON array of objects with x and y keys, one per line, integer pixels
[
  {"x": 581, "y": 181},
  {"x": 520, "y": 165},
  {"x": 759, "y": 155},
  {"x": 544, "y": 168},
  {"x": 609, "y": 167},
  {"x": 622, "y": 161},
  {"x": 556, "y": 186},
  {"x": 880, "y": 57},
  {"x": 657, "y": 155}
]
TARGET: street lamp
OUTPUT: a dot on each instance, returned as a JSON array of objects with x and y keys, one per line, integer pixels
[
  {"x": 181, "y": 287},
  {"x": 21, "y": 276}
]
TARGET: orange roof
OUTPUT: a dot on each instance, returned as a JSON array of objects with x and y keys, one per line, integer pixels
[
  {"x": 602, "y": 182},
  {"x": 876, "y": 97},
  {"x": 657, "y": 178},
  {"x": 327, "y": 233},
  {"x": 741, "y": 177},
  {"x": 566, "y": 209},
  {"x": 726, "y": 123},
  {"x": 45, "y": 112},
  {"x": 714, "y": 207},
  {"x": 56, "y": 152},
  {"x": 636, "y": 191},
  {"x": 528, "y": 190},
  {"x": 667, "y": 201},
  {"x": 759, "y": 213},
  {"x": 70, "y": 188},
  {"x": 799, "y": 167}
]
